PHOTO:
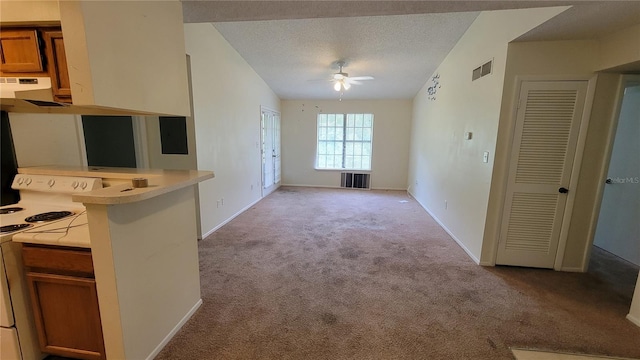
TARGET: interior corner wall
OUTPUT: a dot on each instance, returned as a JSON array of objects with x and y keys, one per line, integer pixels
[
  {"x": 447, "y": 174},
  {"x": 549, "y": 59},
  {"x": 227, "y": 95},
  {"x": 390, "y": 153}
]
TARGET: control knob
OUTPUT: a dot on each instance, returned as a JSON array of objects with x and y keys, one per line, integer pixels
[{"x": 51, "y": 182}]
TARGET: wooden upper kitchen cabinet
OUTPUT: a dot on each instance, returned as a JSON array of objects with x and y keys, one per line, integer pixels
[
  {"x": 20, "y": 51},
  {"x": 58, "y": 71}
]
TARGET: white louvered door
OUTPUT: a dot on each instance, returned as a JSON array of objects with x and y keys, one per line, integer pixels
[{"x": 542, "y": 155}]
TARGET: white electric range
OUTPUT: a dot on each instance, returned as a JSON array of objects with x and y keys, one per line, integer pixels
[{"x": 45, "y": 214}]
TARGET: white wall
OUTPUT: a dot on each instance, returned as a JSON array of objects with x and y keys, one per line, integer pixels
[
  {"x": 390, "y": 154},
  {"x": 227, "y": 95},
  {"x": 446, "y": 172},
  {"x": 47, "y": 139}
]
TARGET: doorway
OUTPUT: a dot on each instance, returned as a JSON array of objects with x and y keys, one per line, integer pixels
[
  {"x": 270, "y": 139},
  {"x": 618, "y": 229}
]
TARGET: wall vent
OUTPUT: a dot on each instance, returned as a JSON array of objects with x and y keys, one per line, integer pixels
[
  {"x": 354, "y": 180},
  {"x": 483, "y": 70}
]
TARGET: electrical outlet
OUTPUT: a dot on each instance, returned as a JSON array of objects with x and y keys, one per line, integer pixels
[
  {"x": 222, "y": 201},
  {"x": 485, "y": 157},
  {"x": 217, "y": 203},
  {"x": 446, "y": 205}
]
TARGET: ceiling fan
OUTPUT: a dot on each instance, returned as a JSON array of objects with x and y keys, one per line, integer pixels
[{"x": 342, "y": 80}]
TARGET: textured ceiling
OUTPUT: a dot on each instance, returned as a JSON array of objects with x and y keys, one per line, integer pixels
[
  {"x": 297, "y": 57},
  {"x": 293, "y": 45}
]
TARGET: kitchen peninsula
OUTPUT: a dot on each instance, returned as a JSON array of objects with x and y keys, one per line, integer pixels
[{"x": 143, "y": 243}]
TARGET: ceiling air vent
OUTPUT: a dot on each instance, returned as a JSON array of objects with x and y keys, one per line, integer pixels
[{"x": 480, "y": 71}]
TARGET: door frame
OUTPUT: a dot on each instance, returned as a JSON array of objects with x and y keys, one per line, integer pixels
[
  {"x": 577, "y": 163},
  {"x": 611, "y": 135},
  {"x": 263, "y": 108}
]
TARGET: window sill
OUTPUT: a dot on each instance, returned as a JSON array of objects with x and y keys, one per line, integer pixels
[{"x": 343, "y": 170}]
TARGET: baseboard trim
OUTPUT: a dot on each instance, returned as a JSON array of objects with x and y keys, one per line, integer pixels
[
  {"x": 633, "y": 319},
  {"x": 573, "y": 269},
  {"x": 175, "y": 330},
  {"x": 230, "y": 218},
  {"x": 460, "y": 243}
]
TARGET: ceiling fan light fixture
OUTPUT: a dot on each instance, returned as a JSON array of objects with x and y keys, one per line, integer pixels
[
  {"x": 346, "y": 85},
  {"x": 337, "y": 86}
]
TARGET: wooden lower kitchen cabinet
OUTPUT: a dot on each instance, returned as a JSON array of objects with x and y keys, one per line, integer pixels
[{"x": 65, "y": 301}]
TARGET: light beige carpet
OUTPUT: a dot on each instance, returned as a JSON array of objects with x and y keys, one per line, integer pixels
[{"x": 338, "y": 274}]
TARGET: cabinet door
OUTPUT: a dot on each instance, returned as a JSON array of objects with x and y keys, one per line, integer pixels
[
  {"x": 58, "y": 71},
  {"x": 20, "y": 51},
  {"x": 67, "y": 315}
]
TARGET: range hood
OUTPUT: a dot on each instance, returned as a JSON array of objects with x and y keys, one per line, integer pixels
[{"x": 35, "y": 90}]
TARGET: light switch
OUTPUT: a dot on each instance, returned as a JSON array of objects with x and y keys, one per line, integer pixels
[
  {"x": 485, "y": 157},
  {"x": 468, "y": 135}
]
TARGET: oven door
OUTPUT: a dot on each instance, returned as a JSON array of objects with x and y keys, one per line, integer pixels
[
  {"x": 6, "y": 313},
  {"x": 9, "y": 346}
]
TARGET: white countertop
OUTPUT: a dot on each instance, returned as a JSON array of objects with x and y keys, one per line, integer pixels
[{"x": 122, "y": 192}]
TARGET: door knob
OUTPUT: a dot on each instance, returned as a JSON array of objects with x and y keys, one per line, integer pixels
[{"x": 563, "y": 190}]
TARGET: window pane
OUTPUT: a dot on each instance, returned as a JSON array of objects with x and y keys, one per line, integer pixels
[
  {"x": 366, "y": 162},
  {"x": 348, "y": 162},
  {"x": 359, "y": 120},
  {"x": 357, "y": 162},
  {"x": 331, "y": 133},
  {"x": 322, "y": 135},
  {"x": 322, "y": 120},
  {"x": 337, "y": 148},
  {"x": 350, "y": 134},
  {"x": 368, "y": 120},
  {"x": 366, "y": 149},
  {"x": 339, "y": 133},
  {"x": 358, "y": 133},
  {"x": 350, "y": 120},
  {"x": 340, "y": 120},
  {"x": 322, "y": 161},
  {"x": 366, "y": 134},
  {"x": 322, "y": 147},
  {"x": 349, "y": 148},
  {"x": 357, "y": 149},
  {"x": 331, "y": 120},
  {"x": 330, "y": 162}
]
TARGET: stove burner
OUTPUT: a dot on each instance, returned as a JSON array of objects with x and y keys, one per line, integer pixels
[
  {"x": 10, "y": 210},
  {"x": 48, "y": 216},
  {"x": 11, "y": 228}
]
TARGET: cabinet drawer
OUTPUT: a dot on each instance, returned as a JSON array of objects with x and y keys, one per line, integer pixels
[{"x": 60, "y": 259}]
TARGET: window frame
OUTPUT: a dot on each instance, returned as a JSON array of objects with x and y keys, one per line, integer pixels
[{"x": 344, "y": 141}]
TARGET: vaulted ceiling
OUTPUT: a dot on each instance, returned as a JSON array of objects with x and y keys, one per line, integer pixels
[{"x": 294, "y": 45}]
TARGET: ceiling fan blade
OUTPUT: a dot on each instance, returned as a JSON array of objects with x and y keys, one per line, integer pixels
[
  {"x": 354, "y": 82},
  {"x": 360, "y": 78}
]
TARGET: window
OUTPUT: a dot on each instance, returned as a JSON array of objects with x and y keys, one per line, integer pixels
[{"x": 344, "y": 141}]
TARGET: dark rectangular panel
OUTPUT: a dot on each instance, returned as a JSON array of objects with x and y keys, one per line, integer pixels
[
  {"x": 9, "y": 163},
  {"x": 173, "y": 135},
  {"x": 109, "y": 141}
]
